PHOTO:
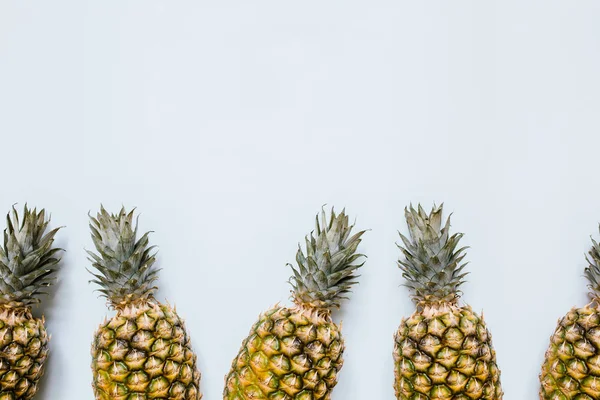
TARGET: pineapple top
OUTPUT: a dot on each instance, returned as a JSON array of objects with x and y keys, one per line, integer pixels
[
  {"x": 328, "y": 270},
  {"x": 28, "y": 262},
  {"x": 432, "y": 264},
  {"x": 125, "y": 266},
  {"x": 592, "y": 272}
]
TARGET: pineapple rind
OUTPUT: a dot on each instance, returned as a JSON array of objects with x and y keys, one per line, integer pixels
[
  {"x": 571, "y": 368},
  {"x": 445, "y": 353},
  {"x": 23, "y": 352},
  {"x": 290, "y": 353},
  {"x": 144, "y": 352}
]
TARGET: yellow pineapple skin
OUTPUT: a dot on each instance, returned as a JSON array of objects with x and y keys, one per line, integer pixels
[
  {"x": 144, "y": 352},
  {"x": 290, "y": 354},
  {"x": 23, "y": 353},
  {"x": 445, "y": 352},
  {"x": 571, "y": 368}
]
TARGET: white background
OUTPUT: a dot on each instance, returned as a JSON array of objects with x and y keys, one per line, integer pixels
[{"x": 229, "y": 123}]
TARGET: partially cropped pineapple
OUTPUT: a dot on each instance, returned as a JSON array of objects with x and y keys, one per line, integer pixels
[
  {"x": 443, "y": 350},
  {"x": 296, "y": 353},
  {"x": 144, "y": 351},
  {"x": 571, "y": 369},
  {"x": 28, "y": 264}
]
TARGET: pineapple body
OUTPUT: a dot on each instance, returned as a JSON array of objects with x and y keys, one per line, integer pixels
[
  {"x": 296, "y": 353},
  {"x": 28, "y": 266},
  {"x": 23, "y": 352},
  {"x": 571, "y": 369},
  {"x": 290, "y": 354},
  {"x": 144, "y": 352},
  {"x": 443, "y": 350},
  {"x": 445, "y": 353}
]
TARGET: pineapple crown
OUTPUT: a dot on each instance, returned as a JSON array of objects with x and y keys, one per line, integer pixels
[
  {"x": 592, "y": 272},
  {"x": 328, "y": 270},
  {"x": 125, "y": 266},
  {"x": 432, "y": 265},
  {"x": 28, "y": 262}
]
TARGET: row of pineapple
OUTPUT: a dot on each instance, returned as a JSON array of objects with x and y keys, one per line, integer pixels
[{"x": 442, "y": 351}]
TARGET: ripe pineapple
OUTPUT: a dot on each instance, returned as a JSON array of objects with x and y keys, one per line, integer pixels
[
  {"x": 296, "y": 353},
  {"x": 144, "y": 351},
  {"x": 571, "y": 369},
  {"x": 28, "y": 264},
  {"x": 443, "y": 350}
]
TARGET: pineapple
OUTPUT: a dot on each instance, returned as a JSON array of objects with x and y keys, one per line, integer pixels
[
  {"x": 571, "y": 369},
  {"x": 144, "y": 351},
  {"x": 296, "y": 353},
  {"x": 443, "y": 350},
  {"x": 28, "y": 264}
]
